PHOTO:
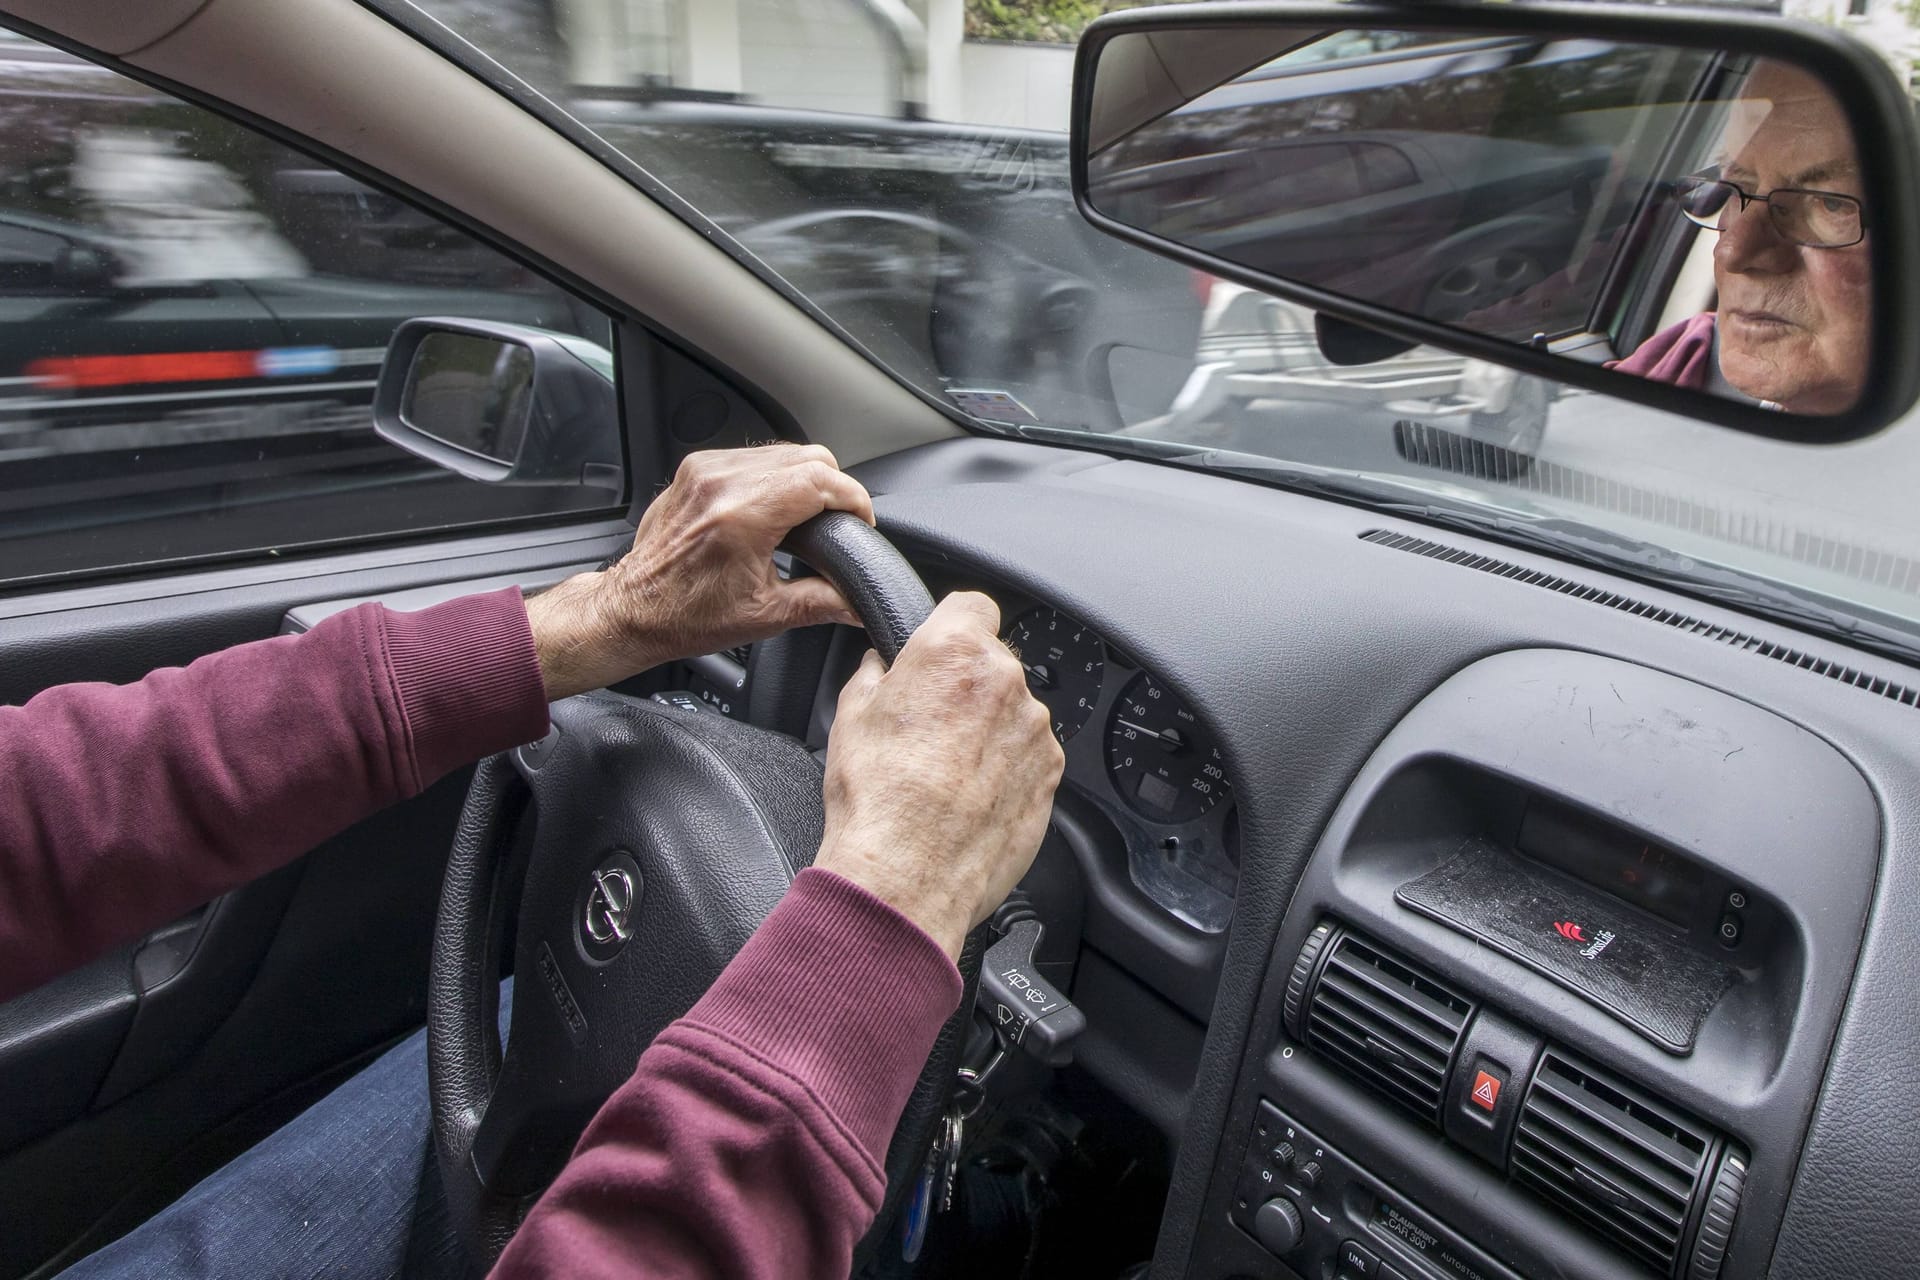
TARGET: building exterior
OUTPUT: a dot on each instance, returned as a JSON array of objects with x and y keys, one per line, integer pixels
[
  {"x": 888, "y": 57},
  {"x": 867, "y": 57}
]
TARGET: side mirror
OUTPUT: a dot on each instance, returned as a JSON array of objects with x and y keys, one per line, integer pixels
[
  {"x": 1706, "y": 212},
  {"x": 503, "y": 403}
]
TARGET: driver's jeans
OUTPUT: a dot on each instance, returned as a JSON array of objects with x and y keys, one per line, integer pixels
[{"x": 348, "y": 1190}]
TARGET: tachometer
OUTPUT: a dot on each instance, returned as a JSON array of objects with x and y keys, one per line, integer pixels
[
  {"x": 1163, "y": 762},
  {"x": 1065, "y": 663}
]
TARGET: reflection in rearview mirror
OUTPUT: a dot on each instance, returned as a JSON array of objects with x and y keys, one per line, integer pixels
[{"x": 1685, "y": 215}]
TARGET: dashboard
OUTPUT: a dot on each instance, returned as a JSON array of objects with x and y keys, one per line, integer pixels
[
  {"x": 1138, "y": 756},
  {"x": 1452, "y": 911}
]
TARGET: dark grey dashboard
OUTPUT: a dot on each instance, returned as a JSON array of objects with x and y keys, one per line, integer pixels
[{"x": 1381, "y": 692}]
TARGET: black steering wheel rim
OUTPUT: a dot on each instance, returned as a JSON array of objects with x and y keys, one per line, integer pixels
[{"x": 740, "y": 778}]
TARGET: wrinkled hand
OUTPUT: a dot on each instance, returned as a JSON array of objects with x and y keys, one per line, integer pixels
[
  {"x": 700, "y": 576},
  {"x": 940, "y": 773}
]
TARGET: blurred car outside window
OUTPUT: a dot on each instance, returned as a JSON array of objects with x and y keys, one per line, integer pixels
[{"x": 191, "y": 319}]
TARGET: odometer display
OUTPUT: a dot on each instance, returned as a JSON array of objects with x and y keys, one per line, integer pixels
[
  {"x": 1065, "y": 663},
  {"x": 1163, "y": 763}
]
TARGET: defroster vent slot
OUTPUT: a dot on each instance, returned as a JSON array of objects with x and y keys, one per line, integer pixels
[
  {"x": 1391, "y": 1024},
  {"x": 1905, "y": 694}
]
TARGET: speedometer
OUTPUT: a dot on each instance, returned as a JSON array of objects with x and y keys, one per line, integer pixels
[
  {"x": 1065, "y": 663},
  {"x": 1163, "y": 762}
]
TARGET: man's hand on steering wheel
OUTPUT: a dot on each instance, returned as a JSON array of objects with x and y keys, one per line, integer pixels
[
  {"x": 700, "y": 577},
  {"x": 938, "y": 784},
  {"x": 940, "y": 773}
]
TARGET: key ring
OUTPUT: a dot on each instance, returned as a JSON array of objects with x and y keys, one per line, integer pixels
[{"x": 971, "y": 1085}]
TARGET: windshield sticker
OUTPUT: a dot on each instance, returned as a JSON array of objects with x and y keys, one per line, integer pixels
[{"x": 991, "y": 406}]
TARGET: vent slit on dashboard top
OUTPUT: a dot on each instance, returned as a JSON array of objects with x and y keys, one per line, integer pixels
[
  {"x": 1432, "y": 446},
  {"x": 1905, "y": 695}
]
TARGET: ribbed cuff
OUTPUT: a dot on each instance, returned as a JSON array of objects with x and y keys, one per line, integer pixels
[
  {"x": 466, "y": 679},
  {"x": 843, "y": 993}
]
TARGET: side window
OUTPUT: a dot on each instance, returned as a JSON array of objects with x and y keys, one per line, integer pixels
[{"x": 191, "y": 320}]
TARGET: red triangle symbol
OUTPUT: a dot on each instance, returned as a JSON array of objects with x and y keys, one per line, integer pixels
[{"x": 1486, "y": 1091}]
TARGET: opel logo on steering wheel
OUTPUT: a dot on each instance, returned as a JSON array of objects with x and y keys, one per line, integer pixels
[{"x": 608, "y": 907}]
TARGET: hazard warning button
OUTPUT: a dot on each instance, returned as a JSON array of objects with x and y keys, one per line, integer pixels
[
  {"x": 1488, "y": 1084},
  {"x": 1479, "y": 1096}
]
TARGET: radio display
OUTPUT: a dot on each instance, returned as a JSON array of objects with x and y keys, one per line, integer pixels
[{"x": 1615, "y": 861}]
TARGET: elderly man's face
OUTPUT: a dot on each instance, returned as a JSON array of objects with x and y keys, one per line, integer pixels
[{"x": 1794, "y": 321}]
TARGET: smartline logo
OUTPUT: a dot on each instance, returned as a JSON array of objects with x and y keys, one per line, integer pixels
[{"x": 1574, "y": 933}]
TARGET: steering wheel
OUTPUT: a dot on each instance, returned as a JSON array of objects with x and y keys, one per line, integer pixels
[{"x": 656, "y": 841}]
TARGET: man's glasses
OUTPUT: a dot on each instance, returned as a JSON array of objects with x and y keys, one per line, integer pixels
[{"x": 1817, "y": 219}]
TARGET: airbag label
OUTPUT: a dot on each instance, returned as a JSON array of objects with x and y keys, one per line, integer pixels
[
  {"x": 556, "y": 985},
  {"x": 990, "y": 404}
]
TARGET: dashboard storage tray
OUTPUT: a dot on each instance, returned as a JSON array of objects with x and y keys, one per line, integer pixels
[{"x": 1629, "y": 964}]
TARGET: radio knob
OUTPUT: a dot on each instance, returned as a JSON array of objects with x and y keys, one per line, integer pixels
[
  {"x": 1277, "y": 1225},
  {"x": 1308, "y": 1175},
  {"x": 1282, "y": 1155}
]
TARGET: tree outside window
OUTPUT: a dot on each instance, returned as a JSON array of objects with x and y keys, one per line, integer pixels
[{"x": 1041, "y": 21}]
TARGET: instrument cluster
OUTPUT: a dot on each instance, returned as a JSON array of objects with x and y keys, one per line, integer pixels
[{"x": 1140, "y": 754}]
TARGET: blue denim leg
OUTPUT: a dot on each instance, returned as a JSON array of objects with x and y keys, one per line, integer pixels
[{"x": 347, "y": 1190}]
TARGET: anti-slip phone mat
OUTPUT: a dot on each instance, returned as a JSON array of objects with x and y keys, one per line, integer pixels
[{"x": 1631, "y": 965}]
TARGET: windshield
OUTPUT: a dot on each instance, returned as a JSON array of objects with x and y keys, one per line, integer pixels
[{"x": 903, "y": 169}]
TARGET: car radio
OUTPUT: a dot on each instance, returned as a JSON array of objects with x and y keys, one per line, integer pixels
[{"x": 1322, "y": 1215}]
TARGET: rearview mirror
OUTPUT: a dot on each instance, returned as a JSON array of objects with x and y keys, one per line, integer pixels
[
  {"x": 503, "y": 403},
  {"x": 1707, "y": 213}
]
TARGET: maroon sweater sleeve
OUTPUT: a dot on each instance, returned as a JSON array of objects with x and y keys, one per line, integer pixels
[
  {"x": 127, "y": 805},
  {"x": 1681, "y": 354},
  {"x": 750, "y": 1140}
]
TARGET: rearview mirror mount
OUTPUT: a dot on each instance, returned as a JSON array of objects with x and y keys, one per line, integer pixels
[{"x": 1706, "y": 212}]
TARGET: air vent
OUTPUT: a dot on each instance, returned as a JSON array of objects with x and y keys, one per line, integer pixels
[
  {"x": 1393, "y": 1026},
  {"x": 1906, "y": 695},
  {"x": 1614, "y": 1159}
]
